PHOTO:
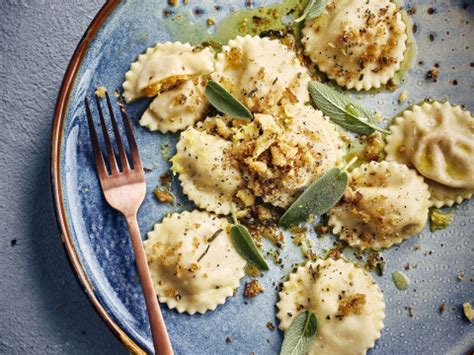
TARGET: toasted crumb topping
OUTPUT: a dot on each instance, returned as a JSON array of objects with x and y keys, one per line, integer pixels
[
  {"x": 211, "y": 21},
  {"x": 100, "y": 91},
  {"x": 164, "y": 196},
  {"x": 468, "y": 311},
  {"x": 403, "y": 96},
  {"x": 279, "y": 156},
  {"x": 270, "y": 326},
  {"x": 253, "y": 289},
  {"x": 352, "y": 304}
]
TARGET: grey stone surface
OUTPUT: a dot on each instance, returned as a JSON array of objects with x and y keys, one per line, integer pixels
[{"x": 42, "y": 308}]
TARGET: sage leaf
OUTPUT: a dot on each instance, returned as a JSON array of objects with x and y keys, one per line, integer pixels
[
  {"x": 300, "y": 334},
  {"x": 317, "y": 199},
  {"x": 245, "y": 246},
  {"x": 244, "y": 243},
  {"x": 313, "y": 9},
  {"x": 225, "y": 102},
  {"x": 343, "y": 110}
]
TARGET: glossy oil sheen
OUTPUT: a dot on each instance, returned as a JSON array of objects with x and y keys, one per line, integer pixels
[{"x": 103, "y": 246}]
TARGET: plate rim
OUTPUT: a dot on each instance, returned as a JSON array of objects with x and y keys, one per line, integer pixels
[{"x": 60, "y": 112}]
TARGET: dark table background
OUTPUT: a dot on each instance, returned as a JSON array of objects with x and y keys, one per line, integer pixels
[{"x": 42, "y": 307}]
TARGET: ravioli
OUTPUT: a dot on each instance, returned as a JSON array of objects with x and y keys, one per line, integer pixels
[
  {"x": 281, "y": 155},
  {"x": 360, "y": 44},
  {"x": 261, "y": 73},
  {"x": 163, "y": 66},
  {"x": 177, "y": 108},
  {"x": 384, "y": 204},
  {"x": 193, "y": 265},
  {"x": 205, "y": 170},
  {"x": 437, "y": 139},
  {"x": 347, "y": 301}
]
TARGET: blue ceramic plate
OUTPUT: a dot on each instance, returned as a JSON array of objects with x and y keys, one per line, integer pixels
[{"x": 98, "y": 245}]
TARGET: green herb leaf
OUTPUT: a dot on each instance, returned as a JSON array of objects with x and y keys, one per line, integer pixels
[
  {"x": 204, "y": 254},
  {"x": 245, "y": 246},
  {"x": 313, "y": 9},
  {"x": 318, "y": 197},
  {"x": 343, "y": 110},
  {"x": 215, "y": 235},
  {"x": 400, "y": 280},
  {"x": 300, "y": 334},
  {"x": 210, "y": 240},
  {"x": 223, "y": 101}
]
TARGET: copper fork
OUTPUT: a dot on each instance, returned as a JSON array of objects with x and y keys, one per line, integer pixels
[{"x": 124, "y": 189}]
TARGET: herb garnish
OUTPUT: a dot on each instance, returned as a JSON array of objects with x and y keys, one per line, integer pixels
[
  {"x": 245, "y": 246},
  {"x": 203, "y": 254},
  {"x": 313, "y": 9},
  {"x": 400, "y": 280},
  {"x": 215, "y": 235},
  {"x": 343, "y": 110},
  {"x": 300, "y": 334},
  {"x": 318, "y": 197},
  {"x": 225, "y": 102},
  {"x": 210, "y": 240}
]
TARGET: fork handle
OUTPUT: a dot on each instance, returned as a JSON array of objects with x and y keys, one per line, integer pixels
[{"x": 161, "y": 340}]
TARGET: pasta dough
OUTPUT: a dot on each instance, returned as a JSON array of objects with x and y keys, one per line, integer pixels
[
  {"x": 436, "y": 139},
  {"x": 281, "y": 156},
  {"x": 163, "y": 66},
  {"x": 205, "y": 170},
  {"x": 261, "y": 73},
  {"x": 384, "y": 204},
  {"x": 358, "y": 43},
  {"x": 193, "y": 265},
  {"x": 177, "y": 108},
  {"x": 346, "y": 300}
]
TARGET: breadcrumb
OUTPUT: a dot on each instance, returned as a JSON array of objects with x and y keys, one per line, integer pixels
[
  {"x": 468, "y": 311},
  {"x": 439, "y": 219},
  {"x": 100, "y": 91},
  {"x": 270, "y": 326},
  {"x": 246, "y": 196},
  {"x": 252, "y": 289},
  {"x": 264, "y": 214},
  {"x": 352, "y": 304},
  {"x": 378, "y": 116},
  {"x": 432, "y": 74},
  {"x": 403, "y": 96},
  {"x": 164, "y": 196},
  {"x": 211, "y": 21}
]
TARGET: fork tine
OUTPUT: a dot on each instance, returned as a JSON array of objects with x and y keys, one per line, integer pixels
[
  {"x": 118, "y": 139},
  {"x": 99, "y": 158},
  {"x": 137, "y": 163},
  {"x": 108, "y": 143}
]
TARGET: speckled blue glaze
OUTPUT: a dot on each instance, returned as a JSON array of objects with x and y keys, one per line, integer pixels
[{"x": 103, "y": 246}]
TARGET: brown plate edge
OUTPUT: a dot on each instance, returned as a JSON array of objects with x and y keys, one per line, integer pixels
[{"x": 55, "y": 171}]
